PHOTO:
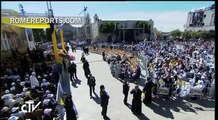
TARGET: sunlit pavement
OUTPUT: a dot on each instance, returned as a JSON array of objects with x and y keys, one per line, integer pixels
[{"x": 90, "y": 109}]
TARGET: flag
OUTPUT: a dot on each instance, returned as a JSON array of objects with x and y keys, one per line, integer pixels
[
  {"x": 61, "y": 101},
  {"x": 183, "y": 84},
  {"x": 60, "y": 93},
  {"x": 54, "y": 41}
]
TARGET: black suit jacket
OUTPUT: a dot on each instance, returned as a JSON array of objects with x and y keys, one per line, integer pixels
[{"x": 104, "y": 98}]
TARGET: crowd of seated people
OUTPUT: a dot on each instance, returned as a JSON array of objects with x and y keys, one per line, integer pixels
[
  {"x": 121, "y": 67},
  {"x": 180, "y": 65},
  {"x": 172, "y": 63},
  {"x": 38, "y": 84},
  {"x": 110, "y": 52}
]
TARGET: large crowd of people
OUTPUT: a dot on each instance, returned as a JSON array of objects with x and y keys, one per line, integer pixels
[
  {"x": 123, "y": 64},
  {"x": 179, "y": 67},
  {"x": 26, "y": 82},
  {"x": 173, "y": 69}
]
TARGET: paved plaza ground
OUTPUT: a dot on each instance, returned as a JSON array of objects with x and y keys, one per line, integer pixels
[{"x": 160, "y": 109}]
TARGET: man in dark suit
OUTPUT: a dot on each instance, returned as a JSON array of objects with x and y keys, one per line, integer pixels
[
  {"x": 104, "y": 101},
  {"x": 86, "y": 68},
  {"x": 103, "y": 55},
  {"x": 125, "y": 92},
  {"x": 91, "y": 83},
  {"x": 72, "y": 70}
]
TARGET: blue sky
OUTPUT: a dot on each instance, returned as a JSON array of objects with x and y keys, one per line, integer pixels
[{"x": 167, "y": 15}]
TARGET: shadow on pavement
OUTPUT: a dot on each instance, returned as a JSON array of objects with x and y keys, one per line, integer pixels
[
  {"x": 199, "y": 108},
  {"x": 159, "y": 109},
  {"x": 121, "y": 80},
  {"x": 129, "y": 106},
  {"x": 163, "y": 106},
  {"x": 78, "y": 81},
  {"x": 204, "y": 102},
  {"x": 107, "y": 118},
  {"x": 74, "y": 84},
  {"x": 140, "y": 82},
  {"x": 97, "y": 99},
  {"x": 142, "y": 117},
  {"x": 90, "y": 61}
]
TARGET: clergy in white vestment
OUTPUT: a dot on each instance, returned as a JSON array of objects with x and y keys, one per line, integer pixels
[{"x": 33, "y": 80}]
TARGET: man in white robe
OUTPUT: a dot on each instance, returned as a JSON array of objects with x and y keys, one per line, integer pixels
[
  {"x": 44, "y": 83},
  {"x": 33, "y": 80}
]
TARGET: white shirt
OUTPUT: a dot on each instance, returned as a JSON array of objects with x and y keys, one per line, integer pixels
[
  {"x": 9, "y": 103},
  {"x": 18, "y": 100},
  {"x": 7, "y": 96},
  {"x": 192, "y": 71},
  {"x": 44, "y": 84},
  {"x": 18, "y": 114}
]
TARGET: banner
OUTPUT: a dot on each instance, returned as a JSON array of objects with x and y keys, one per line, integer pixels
[
  {"x": 30, "y": 38},
  {"x": 13, "y": 37},
  {"x": 60, "y": 93}
]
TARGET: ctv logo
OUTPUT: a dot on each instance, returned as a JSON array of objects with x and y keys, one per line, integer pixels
[{"x": 29, "y": 106}]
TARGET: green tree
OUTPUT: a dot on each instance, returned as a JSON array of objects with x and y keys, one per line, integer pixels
[
  {"x": 143, "y": 24},
  {"x": 211, "y": 34},
  {"x": 187, "y": 35},
  {"x": 103, "y": 28},
  {"x": 195, "y": 34},
  {"x": 176, "y": 33},
  {"x": 198, "y": 34},
  {"x": 111, "y": 28},
  {"x": 204, "y": 34},
  {"x": 108, "y": 27}
]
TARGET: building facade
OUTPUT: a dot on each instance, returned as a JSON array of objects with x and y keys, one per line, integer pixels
[
  {"x": 201, "y": 19},
  {"x": 127, "y": 31}
]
